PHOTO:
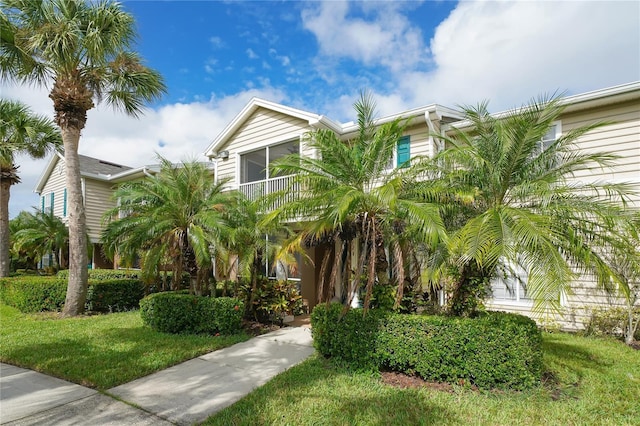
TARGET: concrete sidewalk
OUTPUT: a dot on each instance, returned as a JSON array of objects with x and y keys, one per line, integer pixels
[{"x": 183, "y": 394}]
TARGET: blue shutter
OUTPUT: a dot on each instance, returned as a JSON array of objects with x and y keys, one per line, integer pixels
[
  {"x": 52, "y": 204},
  {"x": 42, "y": 204},
  {"x": 404, "y": 151},
  {"x": 64, "y": 203}
]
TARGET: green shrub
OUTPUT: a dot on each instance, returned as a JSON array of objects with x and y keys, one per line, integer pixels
[
  {"x": 495, "y": 350},
  {"x": 610, "y": 322},
  {"x": 37, "y": 294},
  {"x": 172, "y": 312},
  {"x": 272, "y": 300},
  {"x": 114, "y": 295},
  {"x": 33, "y": 294},
  {"x": 106, "y": 274}
]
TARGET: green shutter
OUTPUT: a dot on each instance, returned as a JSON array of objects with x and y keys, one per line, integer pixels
[
  {"x": 42, "y": 204},
  {"x": 404, "y": 152},
  {"x": 64, "y": 203},
  {"x": 52, "y": 204}
]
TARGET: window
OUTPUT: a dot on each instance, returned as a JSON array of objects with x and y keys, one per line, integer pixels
[
  {"x": 255, "y": 165},
  {"x": 402, "y": 153},
  {"x": 510, "y": 286},
  {"x": 47, "y": 203},
  {"x": 555, "y": 130}
]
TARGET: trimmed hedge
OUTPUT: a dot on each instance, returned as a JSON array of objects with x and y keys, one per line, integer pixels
[
  {"x": 109, "y": 274},
  {"x": 495, "y": 350},
  {"x": 33, "y": 294},
  {"x": 114, "y": 295},
  {"x": 174, "y": 312},
  {"x": 37, "y": 294}
]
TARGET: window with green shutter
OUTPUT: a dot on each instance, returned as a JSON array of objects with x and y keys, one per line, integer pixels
[
  {"x": 51, "y": 211},
  {"x": 404, "y": 151},
  {"x": 64, "y": 203},
  {"x": 42, "y": 204}
]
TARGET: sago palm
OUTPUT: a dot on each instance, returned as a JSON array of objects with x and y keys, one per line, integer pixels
[
  {"x": 21, "y": 132},
  {"x": 351, "y": 200},
  {"x": 513, "y": 202},
  {"x": 176, "y": 214},
  {"x": 82, "y": 51}
]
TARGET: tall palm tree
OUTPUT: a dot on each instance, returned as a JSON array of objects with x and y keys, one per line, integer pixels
[
  {"x": 513, "y": 203},
  {"x": 349, "y": 199},
  {"x": 82, "y": 49},
  {"x": 176, "y": 214},
  {"x": 21, "y": 132},
  {"x": 42, "y": 234}
]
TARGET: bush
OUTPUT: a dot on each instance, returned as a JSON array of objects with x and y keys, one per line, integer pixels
[
  {"x": 109, "y": 274},
  {"x": 173, "y": 312},
  {"x": 114, "y": 295},
  {"x": 33, "y": 294},
  {"x": 495, "y": 350},
  {"x": 273, "y": 299},
  {"x": 610, "y": 322},
  {"x": 37, "y": 294}
]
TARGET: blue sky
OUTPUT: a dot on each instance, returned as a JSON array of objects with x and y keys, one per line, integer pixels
[{"x": 316, "y": 56}]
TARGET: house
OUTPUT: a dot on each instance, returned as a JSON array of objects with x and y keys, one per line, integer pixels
[
  {"x": 98, "y": 179},
  {"x": 265, "y": 131}
]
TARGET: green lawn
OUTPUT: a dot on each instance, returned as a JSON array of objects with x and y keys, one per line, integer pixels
[
  {"x": 593, "y": 382},
  {"x": 99, "y": 351}
]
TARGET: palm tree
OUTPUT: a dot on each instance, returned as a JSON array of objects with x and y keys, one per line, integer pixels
[
  {"x": 42, "y": 234},
  {"x": 176, "y": 214},
  {"x": 83, "y": 49},
  {"x": 512, "y": 203},
  {"x": 21, "y": 132},
  {"x": 356, "y": 206}
]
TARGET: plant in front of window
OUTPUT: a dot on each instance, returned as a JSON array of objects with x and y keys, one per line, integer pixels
[
  {"x": 506, "y": 201},
  {"x": 43, "y": 234}
]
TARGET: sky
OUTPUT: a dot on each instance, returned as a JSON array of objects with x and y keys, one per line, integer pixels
[{"x": 317, "y": 56}]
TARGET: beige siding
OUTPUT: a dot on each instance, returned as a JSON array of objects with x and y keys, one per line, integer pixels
[
  {"x": 56, "y": 184},
  {"x": 263, "y": 128},
  {"x": 420, "y": 142},
  {"x": 622, "y": 138},
  {"x": 97, "y": 202}
]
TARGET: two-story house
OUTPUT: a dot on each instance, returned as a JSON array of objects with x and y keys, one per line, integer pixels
[
  {"x": 265, "y": 131},
  {"x": 99, "y": 179}
]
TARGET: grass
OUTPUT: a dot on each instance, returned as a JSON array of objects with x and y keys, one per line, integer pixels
[
  {"x": 589, "y": 382},
  {"x": 99, "y": 351}
]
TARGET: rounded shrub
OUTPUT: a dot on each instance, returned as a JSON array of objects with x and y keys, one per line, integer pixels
[{"x": 173, "y": 312}]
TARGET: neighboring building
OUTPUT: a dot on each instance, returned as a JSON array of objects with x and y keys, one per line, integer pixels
[
  {"x": 98, "y": 179},
  {"x": 265, "y": 131}
]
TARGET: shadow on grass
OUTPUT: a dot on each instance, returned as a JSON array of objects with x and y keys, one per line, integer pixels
[
  {"x": 114, "y": 356},
  {"x": 317, "y": 392}
]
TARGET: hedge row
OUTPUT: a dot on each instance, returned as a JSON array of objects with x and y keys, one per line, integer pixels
[
  {"x": 37, "y": 294},
  {"x": 496, "y": 350},
  {"x": 175, "y": 312},
  {"x": 108, "y": 274}
]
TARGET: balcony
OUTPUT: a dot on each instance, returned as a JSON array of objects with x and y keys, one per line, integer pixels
[{"x": 257, "y": 189}]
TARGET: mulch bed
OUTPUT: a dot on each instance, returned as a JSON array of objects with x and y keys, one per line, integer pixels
[
  {"x": 635, "y": 345},
  {"x": 254, "y": 328}
]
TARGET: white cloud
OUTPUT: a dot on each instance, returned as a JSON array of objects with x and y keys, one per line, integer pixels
[
  {"x": 178, "y": 132},
  {"x": 509, "y": 52},
  {"x": 504, "y": 51},
  {"x": 388, "y": 39},
  {"x": 251, "y": 54},
  {"x": 217, "y": 42}
]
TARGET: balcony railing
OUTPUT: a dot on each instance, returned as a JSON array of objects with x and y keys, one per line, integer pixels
[{"x": 257, "y": 189}]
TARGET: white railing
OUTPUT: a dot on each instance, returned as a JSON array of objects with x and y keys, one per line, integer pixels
[{"x": 255, "y": 190}]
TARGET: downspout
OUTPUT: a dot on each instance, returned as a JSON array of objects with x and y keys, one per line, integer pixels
[
  {"x": 435, "y": 142},
  {"x": 146, "y": 173}
]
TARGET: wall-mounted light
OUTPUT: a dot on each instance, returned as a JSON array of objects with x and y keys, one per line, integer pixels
[{"x": 223, "y": 154}]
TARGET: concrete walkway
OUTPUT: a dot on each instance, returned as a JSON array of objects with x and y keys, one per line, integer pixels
[{"x": 183, "y": 394}]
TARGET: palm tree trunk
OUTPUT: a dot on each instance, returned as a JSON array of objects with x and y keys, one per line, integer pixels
[
  {"x": 78, "y": 273},
  {"x": 5, "y": 186}
]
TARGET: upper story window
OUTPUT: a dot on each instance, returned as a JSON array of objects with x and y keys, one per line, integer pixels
[
  {"x": 554, "y": 132},
  {"x": 402, "y": 153},
  {"x": 255, "y": 165},
  {"x": 47, "y": 203}
]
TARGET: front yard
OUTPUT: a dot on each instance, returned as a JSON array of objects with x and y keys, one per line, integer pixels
[
  {"x": 99, "y": 351},
  {"x": 593, "y": 382},
  {"x": 589, "y": 381}
]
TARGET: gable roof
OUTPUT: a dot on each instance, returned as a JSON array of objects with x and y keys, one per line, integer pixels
[
  {"x": 317, "y": 121},
  {"x": 94, "y": 168}
]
